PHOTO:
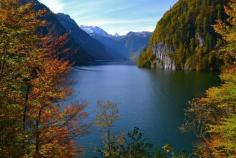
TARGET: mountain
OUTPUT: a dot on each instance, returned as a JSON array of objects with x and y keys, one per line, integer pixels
[
  {"x": 184, "y": 37},
  {"x": 94, "y": 30},
  {"x": 135, "y": 42},
  {"x": 70, "y": 50},
  {"x": 124, "y": 46},
  {"x": 111, "y": 43},
  {"x": 79, "y": 48},
  {"x": 93, "y": 47},
  {"x": 88, "y": 44}
]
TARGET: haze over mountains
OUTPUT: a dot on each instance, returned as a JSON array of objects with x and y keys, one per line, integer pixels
[
  {"x": 126, "y": 46},
  {"x": 85, "y": 45},
  {"x": 94, "y": 48}
]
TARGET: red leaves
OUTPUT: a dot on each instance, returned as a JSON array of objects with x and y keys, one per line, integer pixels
[{"x": 33, "y": 88}]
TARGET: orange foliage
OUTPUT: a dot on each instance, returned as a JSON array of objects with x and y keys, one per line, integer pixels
[{"x": 32, "y": 86}]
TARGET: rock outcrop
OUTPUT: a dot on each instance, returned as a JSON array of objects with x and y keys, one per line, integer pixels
[{"x": 163, "y": 59}]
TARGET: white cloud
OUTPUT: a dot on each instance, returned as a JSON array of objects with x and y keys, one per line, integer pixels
[{"x": 55, "y": 5}]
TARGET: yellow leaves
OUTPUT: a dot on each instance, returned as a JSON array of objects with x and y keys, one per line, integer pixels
[
  {"x": 107, "y": 114},
  {"x": 212, "y": 117},
  {"x": 223, "y": 137},
  {"x": 25, "y": 8},
  {"x": 43, "y": 75},
  {"x": 223, "y": 96},
  {"x": 52, "y": 145}
]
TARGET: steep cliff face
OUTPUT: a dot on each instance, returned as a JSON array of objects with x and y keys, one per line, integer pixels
[
  {"x": 162, "y": 57},
  {"x": 187, "y": 30}
]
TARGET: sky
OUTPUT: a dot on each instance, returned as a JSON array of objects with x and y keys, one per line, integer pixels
[{"x": 114, "y": 16}]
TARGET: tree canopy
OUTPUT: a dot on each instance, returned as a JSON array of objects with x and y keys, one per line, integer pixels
[{"x": 186, "y": 29}]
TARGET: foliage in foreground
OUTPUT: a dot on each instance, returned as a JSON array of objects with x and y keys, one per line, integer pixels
[
  {"x": 34, "y": 124},
  {"x": 213, "y": 117},
  {"x": 132, "y": 145},
  {"x": 32, "y": 121}
]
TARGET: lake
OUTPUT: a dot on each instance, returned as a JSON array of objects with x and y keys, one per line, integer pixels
[{"x": 152, "y": 100}]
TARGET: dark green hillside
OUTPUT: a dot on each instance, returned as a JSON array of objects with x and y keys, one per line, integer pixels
[{"x": 186, "y": 29}]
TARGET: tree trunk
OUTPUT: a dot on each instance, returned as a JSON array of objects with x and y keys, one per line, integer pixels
[
  {"x": 37, "y": 139},
  {"x": 109, "y": 138},
  {"x": 3, "y": 61},
  {"x": 26, "y": 106}
]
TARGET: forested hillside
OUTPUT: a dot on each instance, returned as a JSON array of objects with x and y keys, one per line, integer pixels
[
  {"x": 37, "y": 120},
  {"x": 77, "y": 43},
  {"x": 69, "y": 50},
  {"x": 212, "y": 117},
  {"x": 97, "y": 51},
  {"x": 184, "y": 37}
]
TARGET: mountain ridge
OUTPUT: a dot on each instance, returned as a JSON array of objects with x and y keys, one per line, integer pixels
[
  {"x": 127, "y": 46},
  {"x": 83, "y": 39},
  {"x": 77, "y": 47},
  {"x": 82, "y": 48}
]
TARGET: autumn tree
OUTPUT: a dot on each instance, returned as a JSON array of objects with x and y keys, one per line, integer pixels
[
  {"x": 228, "y": 32},
  {"x": 33, "y": 120},
  {"x": 119, "y": 146},
  {"x": 16, "y": 43},
  {"x": 106, "y": 116},
  {"x": 212, "y": 117}
]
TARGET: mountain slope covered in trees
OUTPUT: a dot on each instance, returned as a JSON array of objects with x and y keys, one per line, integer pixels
[
  {"x": 184, "y": 37},
  {"x": 70, "y": 50},
  {"x": 77, "y": 44},
  {"x": 97, "y": 51}
]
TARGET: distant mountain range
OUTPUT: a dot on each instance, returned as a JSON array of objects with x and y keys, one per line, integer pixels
[
  {"x": 94, "y": 48},
  {"x": 94, "y": 30},
  {"x": 125, "y": 46},
  {"x": 88, "y": 44}
]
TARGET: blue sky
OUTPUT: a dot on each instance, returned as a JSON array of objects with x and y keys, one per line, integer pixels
[{"x": 114, "y": 16}]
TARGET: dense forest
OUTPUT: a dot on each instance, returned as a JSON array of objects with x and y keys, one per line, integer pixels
[
  {"x": 212, "y": 117},
  {"x": 186, "y": 30},
  {"x": 33, "y": 123}
]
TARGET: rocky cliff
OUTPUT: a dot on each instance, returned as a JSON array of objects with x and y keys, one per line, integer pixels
[
  {"x": 162, "y": 57},
  {"x": 187, "y": 28}
]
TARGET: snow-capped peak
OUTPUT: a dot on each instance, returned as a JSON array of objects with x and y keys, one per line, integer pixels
[{"x": 94, "y": 30}]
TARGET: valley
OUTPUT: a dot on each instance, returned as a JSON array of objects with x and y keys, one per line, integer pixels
[{"x": 117, "y": 79}]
